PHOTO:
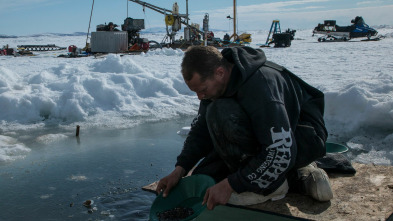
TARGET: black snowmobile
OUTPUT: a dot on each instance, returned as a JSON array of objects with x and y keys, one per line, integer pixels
[{"x": 331, "y": 30}]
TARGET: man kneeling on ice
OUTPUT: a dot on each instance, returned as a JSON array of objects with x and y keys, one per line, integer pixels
[{"x": 258, "y": 130}]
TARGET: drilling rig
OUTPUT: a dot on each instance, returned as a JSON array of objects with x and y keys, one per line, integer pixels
[
  {"x": 173, "y": 22},
  {"x": 128, "y": 39}
]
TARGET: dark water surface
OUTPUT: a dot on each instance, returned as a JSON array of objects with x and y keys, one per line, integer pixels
[{"x": 108, "y": 167}]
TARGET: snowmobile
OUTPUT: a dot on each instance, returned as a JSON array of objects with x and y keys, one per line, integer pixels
[{"x": 333, "y": 32}]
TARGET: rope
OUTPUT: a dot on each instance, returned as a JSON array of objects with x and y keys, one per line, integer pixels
[{"x": 88, "y": 30}]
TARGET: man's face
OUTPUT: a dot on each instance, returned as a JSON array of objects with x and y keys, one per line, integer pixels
[{"x": 212, "y": 88}]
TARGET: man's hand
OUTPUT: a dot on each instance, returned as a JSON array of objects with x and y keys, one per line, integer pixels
[
  {"x": 218, "y": 194},
  {"x": 168, "y": 182}
]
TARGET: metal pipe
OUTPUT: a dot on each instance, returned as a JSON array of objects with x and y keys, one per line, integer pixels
[
  {"x": 187, "y": 11},
  {"x": 234, "y": 20},
  {"x": 88, "y": 30},
  {"x": 152, "y": 7},
  {"x": 77, "y": 130}
]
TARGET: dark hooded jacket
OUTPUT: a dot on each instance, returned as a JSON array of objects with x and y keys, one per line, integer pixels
[{"x": 286, "y": 115}]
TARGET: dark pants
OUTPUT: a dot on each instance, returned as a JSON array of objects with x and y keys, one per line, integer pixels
[{"x": 232, "y": 136}]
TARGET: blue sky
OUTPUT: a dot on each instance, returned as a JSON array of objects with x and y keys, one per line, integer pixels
[{"x": 26, "y": 17}]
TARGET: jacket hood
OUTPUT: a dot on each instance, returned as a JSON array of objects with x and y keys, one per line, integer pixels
[{"x": 247, "y": 61}]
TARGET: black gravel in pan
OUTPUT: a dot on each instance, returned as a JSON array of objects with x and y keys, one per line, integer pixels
[{"x": 175, "y": 214}]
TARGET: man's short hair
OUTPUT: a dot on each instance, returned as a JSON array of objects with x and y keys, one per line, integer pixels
[{"x": 203, "y": 60}]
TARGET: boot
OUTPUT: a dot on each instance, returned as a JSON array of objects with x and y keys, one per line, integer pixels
[
  {"x": 315, "y": 182},
  {"x": 250, "y": 198}
]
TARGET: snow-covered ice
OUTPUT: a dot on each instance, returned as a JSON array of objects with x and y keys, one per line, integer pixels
[{"x": 116, "y": 92}]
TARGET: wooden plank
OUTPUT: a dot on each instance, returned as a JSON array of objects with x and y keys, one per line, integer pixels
[{"x": 151, "y": 187}]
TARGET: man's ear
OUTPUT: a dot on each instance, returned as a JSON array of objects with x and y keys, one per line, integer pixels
[{"x": 220, "y": 72}]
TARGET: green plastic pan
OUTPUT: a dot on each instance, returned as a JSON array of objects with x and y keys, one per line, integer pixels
[
  {"x": 188, "y": 193},
  {"x": 335, "y": 148}
]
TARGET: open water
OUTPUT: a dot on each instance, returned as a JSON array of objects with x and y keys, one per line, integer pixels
[{"x": 108, "y": 167}]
